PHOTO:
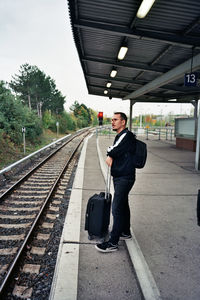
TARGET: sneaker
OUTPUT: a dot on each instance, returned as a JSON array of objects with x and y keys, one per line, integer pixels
[
  {"x": 124, "y": 236},
  {"x": 106, "y": 247}
]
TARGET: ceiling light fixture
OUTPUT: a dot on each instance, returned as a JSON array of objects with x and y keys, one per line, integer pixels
[
  {"x": 144, "y": 8},
  {"x": 113, "y": 73},
  {"x": 105, "y": 92},
  {"x": 108, "y": 85},
  {"x": 172, "y": 100},
  {"x": 122, "y": 52}
]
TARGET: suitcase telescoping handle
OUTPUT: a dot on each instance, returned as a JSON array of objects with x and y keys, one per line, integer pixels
[{"x": 108, "y": 181}]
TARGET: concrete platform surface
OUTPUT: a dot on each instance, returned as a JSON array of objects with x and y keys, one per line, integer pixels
[
  {"x": 101, "y": 276},
  {"x": 163, "y": 219}
]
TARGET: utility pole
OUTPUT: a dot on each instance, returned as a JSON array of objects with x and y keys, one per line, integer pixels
[
  {"x": 24, "y": 140},
  {"x": 57, "y": 125}
]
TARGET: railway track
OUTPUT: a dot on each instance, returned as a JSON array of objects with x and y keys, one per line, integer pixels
[{"x": 38, "y": 200}]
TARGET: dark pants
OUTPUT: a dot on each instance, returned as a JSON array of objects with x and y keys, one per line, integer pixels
[{"x": 120, "y": 208}]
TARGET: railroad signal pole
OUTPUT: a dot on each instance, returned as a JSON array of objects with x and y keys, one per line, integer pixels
[
  {"x": 57, "y": 125},
  {"x": 24, "y": 139},
  {"x": 100, "y": 117}
]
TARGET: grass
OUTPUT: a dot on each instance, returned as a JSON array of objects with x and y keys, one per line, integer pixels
[{"x": 10, "y": 153}]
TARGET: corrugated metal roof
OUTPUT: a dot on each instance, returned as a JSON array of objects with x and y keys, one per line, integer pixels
[{"x": 166, "y": 38}]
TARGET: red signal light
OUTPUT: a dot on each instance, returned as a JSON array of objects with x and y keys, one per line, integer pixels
[{"x": 100, "y": 115}]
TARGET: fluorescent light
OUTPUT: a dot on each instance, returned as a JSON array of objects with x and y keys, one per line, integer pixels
[
  {"x": 122, "y": 52},
  {"x": 108, "y": 84},
  {"x": 105, "y": 92},
  {"x": 172, "y": 100},
  {"x": 144, "y": 8},
  {"x": 113, "y": 73}
]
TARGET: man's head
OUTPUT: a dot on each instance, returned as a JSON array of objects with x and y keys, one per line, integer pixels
[{"x": 119, "y": 121}]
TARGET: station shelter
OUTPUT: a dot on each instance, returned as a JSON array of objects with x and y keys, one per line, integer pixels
[{"x": 141, "y": 53}]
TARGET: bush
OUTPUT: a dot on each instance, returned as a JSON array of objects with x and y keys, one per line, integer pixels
[
  {"x": 46, "y": 119},
  {"x": 66, "y": 123},
  {"x": 33, "y": 125},
  {"x": 84, "y": 116},
  {"x": 14, "y": 115}
]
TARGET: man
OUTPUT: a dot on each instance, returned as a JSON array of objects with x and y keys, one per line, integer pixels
[{"x": 119, "y": 158}]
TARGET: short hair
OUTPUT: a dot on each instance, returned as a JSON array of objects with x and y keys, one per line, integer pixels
[{"x": 122, "y": 116}]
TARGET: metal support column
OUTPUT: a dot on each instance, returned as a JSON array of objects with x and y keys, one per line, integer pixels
[
  {"x": 195, "y": 104},
  {"x": 197, "y": 157},
  {"x": 130, "y": 114}
]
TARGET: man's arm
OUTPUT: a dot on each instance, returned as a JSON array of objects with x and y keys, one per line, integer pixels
[{"x": 124, "y": 146}]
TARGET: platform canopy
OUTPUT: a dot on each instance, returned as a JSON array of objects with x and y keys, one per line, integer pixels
[{"x": 162, "y": 48}]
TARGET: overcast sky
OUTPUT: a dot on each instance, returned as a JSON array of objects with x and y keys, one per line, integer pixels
[{"x": 38, "y": 32}]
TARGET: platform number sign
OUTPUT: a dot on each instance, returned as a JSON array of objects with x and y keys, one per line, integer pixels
[{"x": 191, "y": 79}]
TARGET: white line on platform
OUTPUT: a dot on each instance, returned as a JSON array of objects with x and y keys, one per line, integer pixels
[
  {"x": 65, "y": 280},
  {"x": 147, "y": 283}
]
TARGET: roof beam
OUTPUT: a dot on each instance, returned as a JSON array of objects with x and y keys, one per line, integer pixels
[
  {"x": 151, "y": 95},
  {"x": 164, "y": 101},
  {"x": 132, "y": 65},
  {"x": 145, "y": 100},
  {"x": 145, "y": 34},
  {"x": 163, "y": 97},
  {"x": 169, "y": 47},
  {"x": 108, "y": 78},
  {"x": 109, "y": 89},
  {"x": 103, "y": 95},
  {"x": 164, "y": 79},
  {"x": 182, "y": 99},
  {"x": 169, "y": 87}
]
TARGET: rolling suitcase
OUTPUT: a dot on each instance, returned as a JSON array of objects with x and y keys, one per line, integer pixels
[{"x": 97, "y": 216}]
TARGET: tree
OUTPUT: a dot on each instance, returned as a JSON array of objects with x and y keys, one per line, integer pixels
[
  {"x": 14, "y": 115},
  {"x": 82, "y": 113},
  {"x": 94, "y": 118},
  {"x": 22, "y": 84},
  {"x": 66, "y": 123},
  {"x": 37, "y": 90}
]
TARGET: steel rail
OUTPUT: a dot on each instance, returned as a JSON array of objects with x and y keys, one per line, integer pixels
[
  {"x": 35, "y": 168},
  {"x": 19, "y": 252}
]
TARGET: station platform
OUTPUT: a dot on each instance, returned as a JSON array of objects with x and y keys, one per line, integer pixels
[{"x": 162, "y": 260}]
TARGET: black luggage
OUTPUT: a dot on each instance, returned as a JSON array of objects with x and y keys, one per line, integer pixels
[{"x": 97, "y": 217}]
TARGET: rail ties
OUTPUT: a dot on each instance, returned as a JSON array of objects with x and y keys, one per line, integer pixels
[{"x": 40, "y": 193}]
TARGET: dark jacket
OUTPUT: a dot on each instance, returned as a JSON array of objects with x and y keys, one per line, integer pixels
[{"x": 122, "y": 153}]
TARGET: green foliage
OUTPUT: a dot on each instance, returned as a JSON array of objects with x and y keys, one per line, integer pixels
[
  {"x": 33, "y": 125},
  {"x": 37, "y": 90},
  {"x": 66, "y": 122},
  {"x": 8, "y": 147},
  {"x": 85, "y": 116},
  {"x": 14, "y": 116},
  {"x": 46, "y": 119},
  {"x": 94, "y": 119},
  {"x": 82, "y": 116}
]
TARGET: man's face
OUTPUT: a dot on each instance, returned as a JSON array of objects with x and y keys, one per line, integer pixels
[{"x": 117, "y": 123}]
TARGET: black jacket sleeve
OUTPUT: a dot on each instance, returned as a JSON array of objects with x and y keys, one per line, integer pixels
[{"x": 126, "y": 145}]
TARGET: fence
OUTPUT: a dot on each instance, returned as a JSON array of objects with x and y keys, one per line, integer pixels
[{"x": 166, "y": 133}]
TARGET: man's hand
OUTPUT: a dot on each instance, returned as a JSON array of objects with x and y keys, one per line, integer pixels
[{"x": 109, "y": 161}]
